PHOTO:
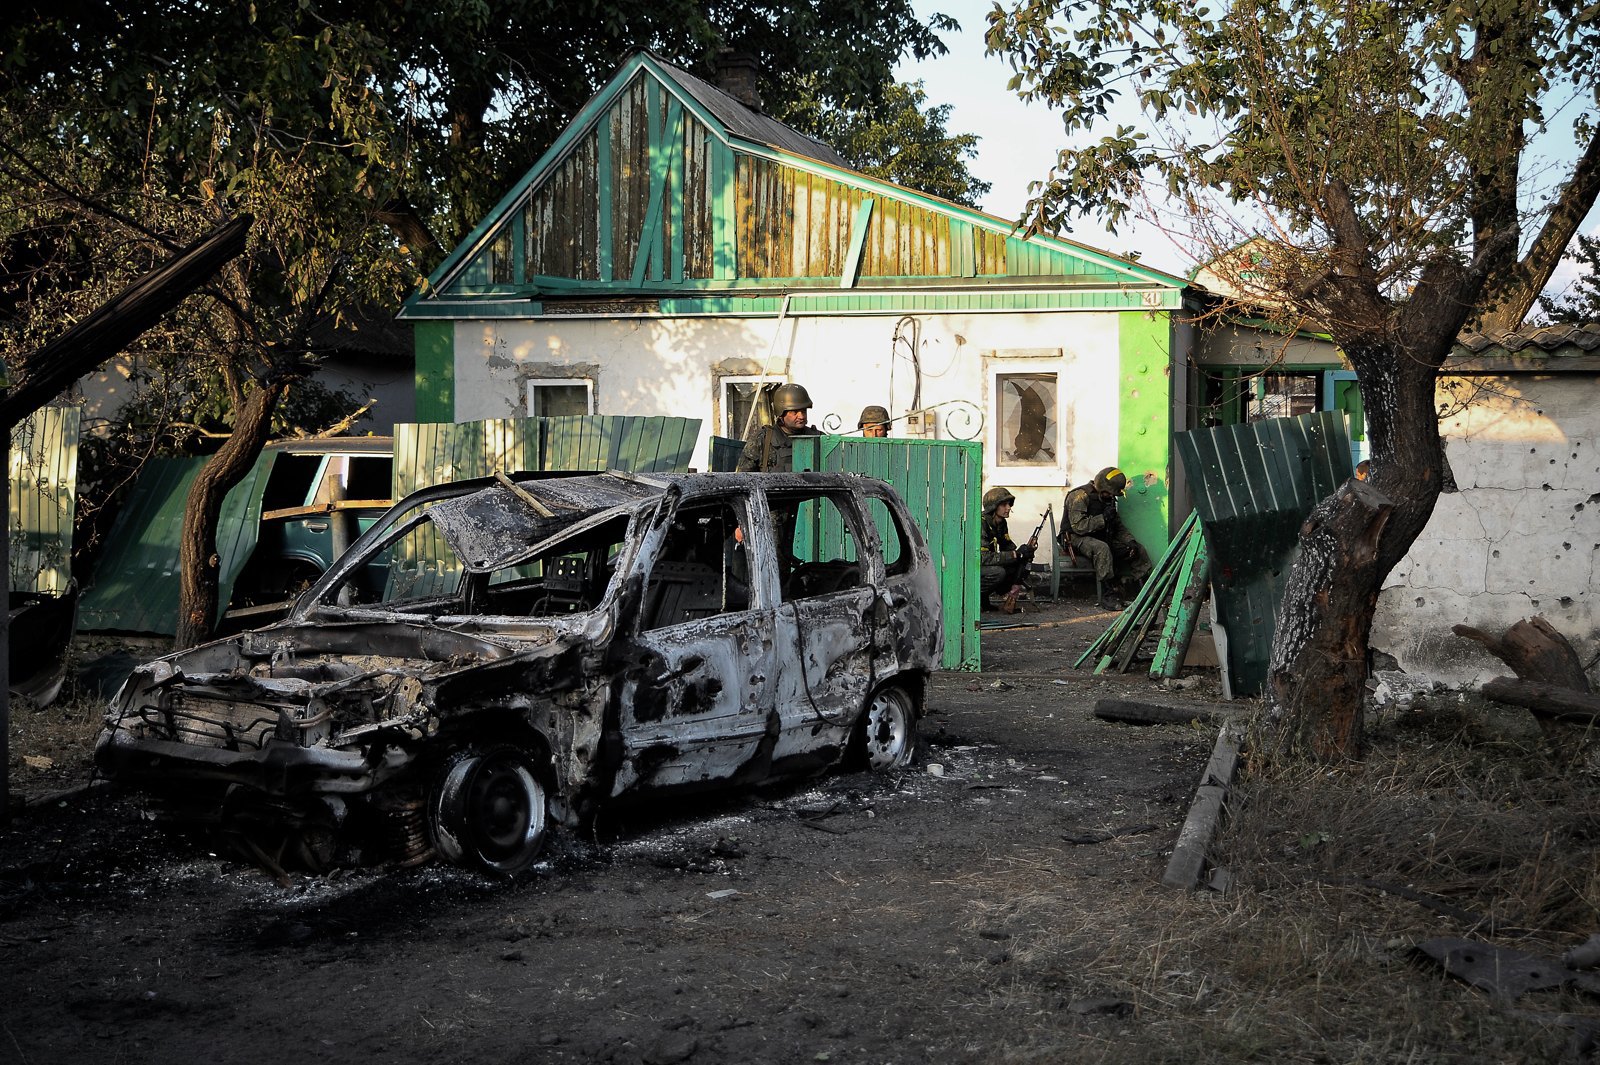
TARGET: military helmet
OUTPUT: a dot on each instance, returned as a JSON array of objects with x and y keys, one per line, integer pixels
[
  {"x": 873, "y": 415},
  {"x": 1110, "y": 480},
  {"x": 995, "y": 497},
  {"x": 786, "y": 398}
]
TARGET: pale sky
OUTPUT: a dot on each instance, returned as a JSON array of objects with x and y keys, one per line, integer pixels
[{"x": 1019, "y": 141}]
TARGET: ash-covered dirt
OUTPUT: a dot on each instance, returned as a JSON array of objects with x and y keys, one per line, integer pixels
[{"x": 945, "y": 914}]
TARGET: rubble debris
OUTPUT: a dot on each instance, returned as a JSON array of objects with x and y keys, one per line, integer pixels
[{"x": 1502, "y": 971}]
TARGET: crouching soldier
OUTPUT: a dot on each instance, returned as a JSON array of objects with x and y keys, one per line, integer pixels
[
  {"x": 1001, "y": 564},
  {"x": 1094, "y": 529}
]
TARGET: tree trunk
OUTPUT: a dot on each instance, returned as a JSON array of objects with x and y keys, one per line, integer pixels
[
  {"x": 1539, "y": 655},
  {"x": 1535, "y": 651},
  {"x": 1316, "y": 680},
  {"x": 198, "y": 561}
]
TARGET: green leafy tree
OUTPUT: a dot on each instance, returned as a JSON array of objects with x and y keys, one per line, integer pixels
[
  {"x": 900, "y": 139},
  {"x": 1382, "y": 147},
  {"x": 366, "y": 140},
  {"x": 1581, "y": 302}
]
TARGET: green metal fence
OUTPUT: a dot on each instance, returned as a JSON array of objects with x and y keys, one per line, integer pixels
[
  {"x": 136, "y": 579},
  {"x": 1253, "y": 484},
  {"x": 940, "y": 481}
]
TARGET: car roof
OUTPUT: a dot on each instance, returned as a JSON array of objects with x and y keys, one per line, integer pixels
[{"x": 491, "y": 523}]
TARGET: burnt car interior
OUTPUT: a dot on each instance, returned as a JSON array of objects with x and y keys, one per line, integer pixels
[
  {"x": 570, "y": 576},
  {"x": 702, "y": 570}
]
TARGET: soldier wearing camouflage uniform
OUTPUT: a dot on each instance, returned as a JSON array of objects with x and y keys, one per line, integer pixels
[
  {"x": 1001, "y": 564},
  {"x": 1094, "y": 529},
  {"x": 770, "y": 448}
]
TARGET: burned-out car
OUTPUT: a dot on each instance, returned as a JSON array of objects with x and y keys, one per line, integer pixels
[{"x": 544, "y": 645}]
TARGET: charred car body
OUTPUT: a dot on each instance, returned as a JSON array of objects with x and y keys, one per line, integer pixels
[{"x": 543, "y": 645}]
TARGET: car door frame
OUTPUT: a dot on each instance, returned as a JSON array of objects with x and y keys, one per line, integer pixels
[
  {"x": 694, "y": 702},
  {"x": 823, "y": 667}
]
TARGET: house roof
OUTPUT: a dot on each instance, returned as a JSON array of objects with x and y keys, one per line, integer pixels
[
  {"x": 666, "y": 194},
  {"x": 1533, "y": 341},
  {"x": 741, "y": 121}
]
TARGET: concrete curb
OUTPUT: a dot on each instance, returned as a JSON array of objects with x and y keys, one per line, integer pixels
[{"x": 1205, "y": 812}]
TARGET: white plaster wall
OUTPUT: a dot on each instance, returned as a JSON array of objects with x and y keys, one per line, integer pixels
[
  {"x": 1520, "y": 538},
  {"x": 664, "y": 367}
]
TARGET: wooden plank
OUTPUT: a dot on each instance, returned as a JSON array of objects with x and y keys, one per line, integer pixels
[
  {"x": 605, "y": 179},
  {"x": 676, "y": 158},
  {"x": 1205, "y": 812},
  {"x": 858, "y": 241}
]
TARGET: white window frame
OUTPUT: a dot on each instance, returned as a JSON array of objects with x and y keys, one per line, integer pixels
[
  {"x": 533, "y": 384},
  {"x": 1029, "y": 475}
]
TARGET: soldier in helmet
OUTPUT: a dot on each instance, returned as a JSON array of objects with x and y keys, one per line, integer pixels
[
  {"x": 1001, "y": 564},
  {"x": 1094, "y": 530},
  {"x": 771, "y": 447},
  {"x": 874, "y": 421}
]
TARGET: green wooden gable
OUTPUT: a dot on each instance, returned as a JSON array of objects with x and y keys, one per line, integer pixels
[{"x": 667, "y": 195}]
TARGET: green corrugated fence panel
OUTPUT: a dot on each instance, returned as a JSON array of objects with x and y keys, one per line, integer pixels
[
  {"x": 136, "y": 579},
  {"x": 725, "y": 452},
  {"x": 939, "y": 481},
  {"x": 1253, "y": 485},
  {"x": 44, "y": 499}
]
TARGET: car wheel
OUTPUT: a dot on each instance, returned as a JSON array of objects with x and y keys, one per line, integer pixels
[
  {"x": 889, "y": 729},
  {"x": 489, "y": 811}
]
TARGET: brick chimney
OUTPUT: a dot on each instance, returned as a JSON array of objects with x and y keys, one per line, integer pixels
[{"x": 736, "y": 76}]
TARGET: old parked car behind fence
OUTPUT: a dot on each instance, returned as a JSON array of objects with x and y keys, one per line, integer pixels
[{"x": 543, "y": 645}]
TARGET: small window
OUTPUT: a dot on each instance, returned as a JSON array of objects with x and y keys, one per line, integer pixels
[
  {"x": 1027, "y": 432},
  {"x": 292, "y": 479},
  {"x": 739, "y": 396},
  {"x": 896, "y": 551},
  {"x": 1285, "y": 395},
  {"x": 355, "y": 477},
  {"x": 558, "y": 397}
]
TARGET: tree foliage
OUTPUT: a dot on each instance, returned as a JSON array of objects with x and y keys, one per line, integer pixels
[
  {"x": 366, "y": 139},
  {"x": 900, "y": 139},
  {"x": 1391, "y": 154},
  {"x": 1581, "y": 301}
]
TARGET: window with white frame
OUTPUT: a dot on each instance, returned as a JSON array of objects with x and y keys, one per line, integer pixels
[
  {"x": 554, "y": 397},
  {"x": 739, "y": 396},
  {"x": 1027, "y": 429}
]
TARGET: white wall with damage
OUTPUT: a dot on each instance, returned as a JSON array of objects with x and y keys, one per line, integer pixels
[
  {"x": 1519, "y": 538},
  {"x": 944, "y": 362}
]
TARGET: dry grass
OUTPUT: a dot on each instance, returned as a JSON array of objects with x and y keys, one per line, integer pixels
[{"x": 1458, "y": 823}]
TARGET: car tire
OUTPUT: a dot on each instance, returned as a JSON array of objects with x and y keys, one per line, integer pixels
[
  {"x": 489, "y": 811},
  {"x": 888, "y": 735}
]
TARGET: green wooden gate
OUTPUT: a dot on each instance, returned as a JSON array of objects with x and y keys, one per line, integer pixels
[{"x": 940, "y": 481}]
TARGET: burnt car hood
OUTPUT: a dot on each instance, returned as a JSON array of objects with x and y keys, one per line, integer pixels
[{"x": 293, "y": 663}]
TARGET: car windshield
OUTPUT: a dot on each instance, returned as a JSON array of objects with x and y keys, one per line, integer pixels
[{"x": 493, "y": 552}]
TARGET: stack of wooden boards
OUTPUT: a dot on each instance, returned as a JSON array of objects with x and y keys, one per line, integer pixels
[{"x": 1172, "y": 595}]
